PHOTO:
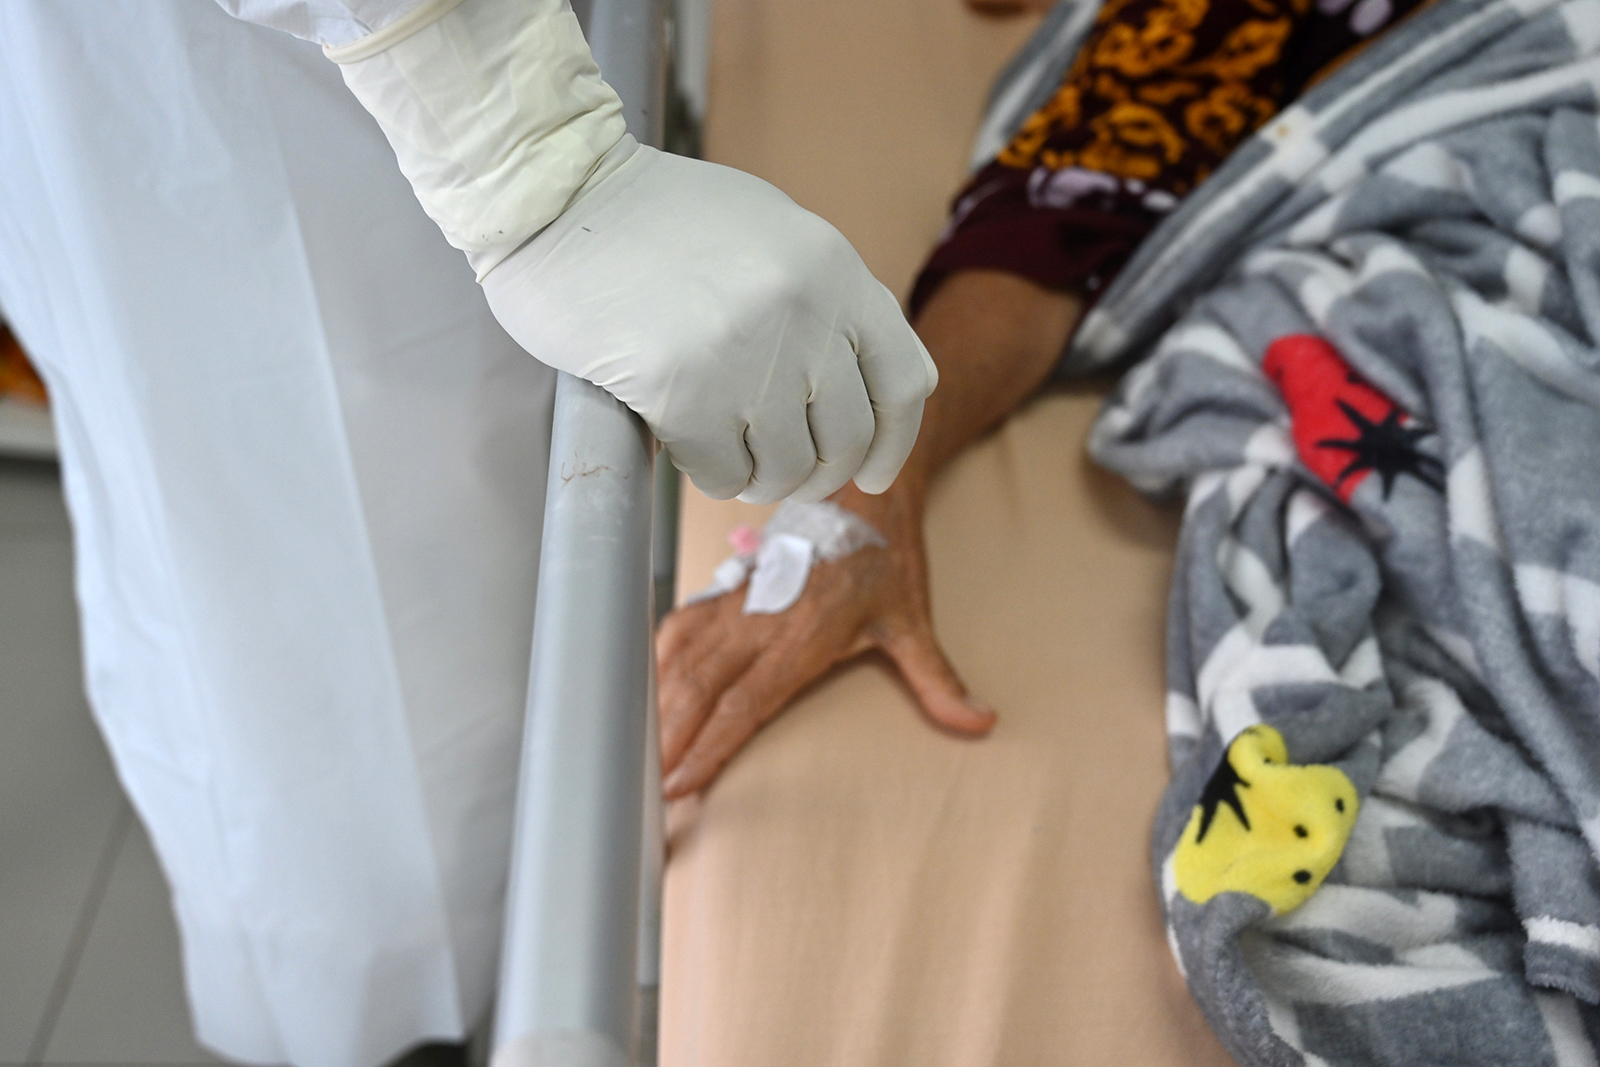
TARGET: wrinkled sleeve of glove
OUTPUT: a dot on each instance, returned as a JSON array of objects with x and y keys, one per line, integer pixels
[{"x": 495, "y": 109}]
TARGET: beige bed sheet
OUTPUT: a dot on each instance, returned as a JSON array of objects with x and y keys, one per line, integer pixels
[{"x": 859, "y": 889}]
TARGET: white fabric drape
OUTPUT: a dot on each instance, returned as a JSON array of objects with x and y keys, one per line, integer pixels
[
  {"x": 305, "y": 469},
  {"x": 329, "y": 22}
]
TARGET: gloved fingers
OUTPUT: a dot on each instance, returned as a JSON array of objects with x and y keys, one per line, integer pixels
[
  {"x": 899, "y": 375},
  {"x": 783, "y": 454},
  {"x": 718, "y": 465},
  {"x": 694, "y": 673},
  {"x": 841, "y": 421},
  {"x": 938, "y": 688}
]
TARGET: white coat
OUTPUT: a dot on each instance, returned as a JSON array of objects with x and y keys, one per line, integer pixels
[{"x": 305, "y": 469}]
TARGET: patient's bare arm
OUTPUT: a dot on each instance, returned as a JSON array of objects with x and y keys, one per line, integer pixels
[{"x": 995, "y": 338}]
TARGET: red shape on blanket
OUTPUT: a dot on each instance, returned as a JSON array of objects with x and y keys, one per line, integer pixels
[{"x": 1343, "y": 427}]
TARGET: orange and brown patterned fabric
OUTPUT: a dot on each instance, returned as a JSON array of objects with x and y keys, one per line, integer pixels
[
  {"x": 1160, "y": 93},
  {"x": 18, "y": 379}
]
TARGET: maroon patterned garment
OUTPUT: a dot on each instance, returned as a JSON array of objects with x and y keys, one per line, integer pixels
[{"x": 1159, "y": 94}]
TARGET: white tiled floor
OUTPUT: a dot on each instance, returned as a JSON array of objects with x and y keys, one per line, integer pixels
[{"x": 88, "y": 951}]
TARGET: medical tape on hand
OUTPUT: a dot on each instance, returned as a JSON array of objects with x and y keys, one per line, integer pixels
[
  {"x": 777, "y": 562},
  {"x": 496, "y": 112}
]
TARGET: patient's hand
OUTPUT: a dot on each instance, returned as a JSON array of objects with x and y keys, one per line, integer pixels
[{"x": 723, "y": 674}]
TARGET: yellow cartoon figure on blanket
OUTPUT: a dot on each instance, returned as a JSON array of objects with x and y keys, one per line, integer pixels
[{"x": 1264, "y": 826}]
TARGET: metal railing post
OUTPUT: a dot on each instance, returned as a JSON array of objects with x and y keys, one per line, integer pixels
[
  {"x": 580, "y": 965},
  {"x": 629, "y": 42},
  {"x": 569, "y": 971}
]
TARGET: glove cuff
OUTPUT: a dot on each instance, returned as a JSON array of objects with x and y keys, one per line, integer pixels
[{"x": 495, "y": 110}]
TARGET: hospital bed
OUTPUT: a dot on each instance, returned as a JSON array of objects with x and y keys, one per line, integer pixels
[{"x": 857, "y": 888}]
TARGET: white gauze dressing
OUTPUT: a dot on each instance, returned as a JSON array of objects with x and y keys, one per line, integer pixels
[{"x": 777, "y": 562}]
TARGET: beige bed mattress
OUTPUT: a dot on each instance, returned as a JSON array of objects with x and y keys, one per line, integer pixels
[{"x": 858, "y": 888}]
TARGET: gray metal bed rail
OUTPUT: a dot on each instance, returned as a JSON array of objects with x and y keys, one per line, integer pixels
[
  {"x": 569, "y": 989},
  {"x": 580, "y": 962}
]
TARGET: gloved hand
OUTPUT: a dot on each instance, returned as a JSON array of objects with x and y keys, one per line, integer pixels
[{"x": 745, "y": 330}]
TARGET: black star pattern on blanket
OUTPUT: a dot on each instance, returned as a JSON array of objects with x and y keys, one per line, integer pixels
[
  {"x": 1386, "y": 447},
  {"x": 1223, "y": 788}
]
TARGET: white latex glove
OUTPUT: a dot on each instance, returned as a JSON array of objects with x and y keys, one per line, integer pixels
[{"x": 745, "y": 330}]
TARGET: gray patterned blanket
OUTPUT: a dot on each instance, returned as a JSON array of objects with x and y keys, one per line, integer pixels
[{"x": 1367, "y": 355}]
